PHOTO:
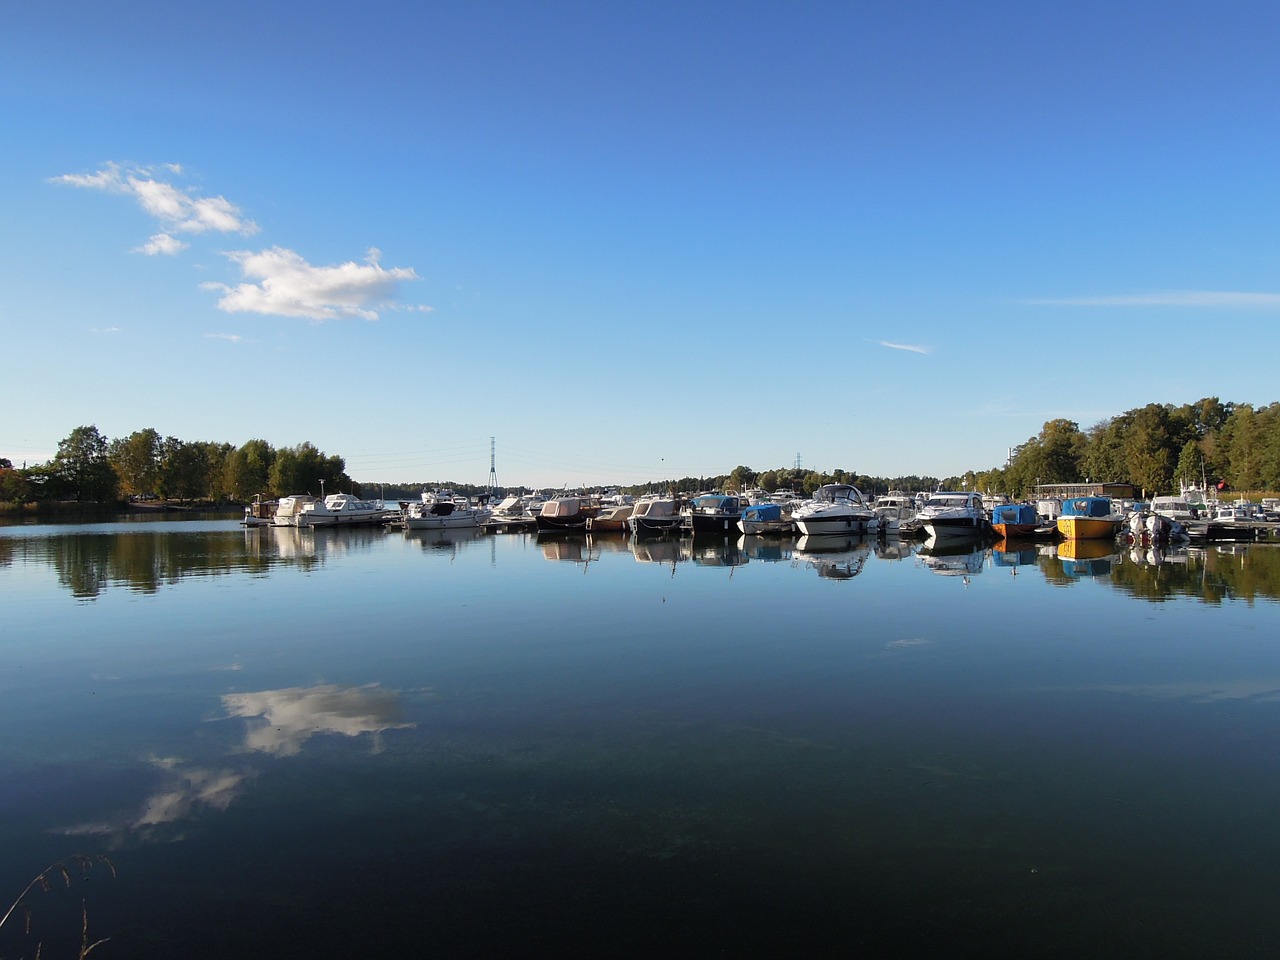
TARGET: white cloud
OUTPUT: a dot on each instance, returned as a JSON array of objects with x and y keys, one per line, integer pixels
[
  {"x": 289, "y": 286},
  {"x": 178, "y": 209},
  {"x": 229, "y": 337},
  {"x": 909, "y": 347},
  {"x": 162, "y": 243},
  {"x": 1172, "y": 298},
  {"x": 106, "y": 330}
]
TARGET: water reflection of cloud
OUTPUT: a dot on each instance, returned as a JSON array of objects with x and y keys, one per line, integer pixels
[
  {"x": 185, "y": 791},
  {"x": 282, "y": 720},
  {"x": 189, "y": 789}
]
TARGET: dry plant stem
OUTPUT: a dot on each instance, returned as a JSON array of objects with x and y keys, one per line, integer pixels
[
  {"x": 42, "y": 879},
  {"x": 85, "y": 946}
]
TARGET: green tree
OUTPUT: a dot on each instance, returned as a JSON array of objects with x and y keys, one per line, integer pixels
[
  {"x": 13, "y": 486},
  {"x": 136, "y": 459},
  {"x": 83, "y": 468},
  {"x": 181, "y": 473}
]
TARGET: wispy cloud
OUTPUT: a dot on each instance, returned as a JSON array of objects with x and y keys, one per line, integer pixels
[
  {"x": 178, "y": 209},
  {"x": 289, "y": 286},
  {"x": 107, "y": 330},
  {"x": 1227, "y": 299},
  {"x": 909, "y": 347},
  {"x": 162, "y": 244},
  {"x": 229, "y": 337}
]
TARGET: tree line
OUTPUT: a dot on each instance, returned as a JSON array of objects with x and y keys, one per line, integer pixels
[
  {"x": 1157, "y": 448},
  {"x": 89, "y": 467}
]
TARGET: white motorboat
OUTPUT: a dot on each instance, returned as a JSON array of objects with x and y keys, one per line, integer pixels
[
  {"x": 896, "y": 512},
  {"x": 441, "y": 515},
  {"x": 836, "y": 508},
  {"x": 1174, "y": 508},
  {"x": 342, "y": 510},
  {"x": 289, "y": 509},
  {"x": 953, "y": 514}
]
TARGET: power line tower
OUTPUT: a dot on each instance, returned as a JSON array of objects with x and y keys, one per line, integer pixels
[
  {"x": 797, "y": 461},
  {"x": 493, "y": 469}
]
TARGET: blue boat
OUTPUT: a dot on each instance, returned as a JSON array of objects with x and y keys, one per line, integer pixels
[
  {"x": 1013, "y": 520},
  {"x": 765, "y": 519}
]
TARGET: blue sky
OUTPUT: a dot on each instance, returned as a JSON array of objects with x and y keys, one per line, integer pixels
[{"x": 632, "y": 241}]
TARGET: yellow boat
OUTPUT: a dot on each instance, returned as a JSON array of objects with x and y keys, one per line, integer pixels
[{"x": 1088, "y": 518}]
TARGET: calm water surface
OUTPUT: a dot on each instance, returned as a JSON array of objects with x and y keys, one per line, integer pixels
[{"x": 369, "y": 743}]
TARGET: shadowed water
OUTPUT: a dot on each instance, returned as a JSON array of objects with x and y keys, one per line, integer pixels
[{"x": 361, "y": 742}]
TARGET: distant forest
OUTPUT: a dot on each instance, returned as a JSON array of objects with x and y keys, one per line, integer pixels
[{"x": 1156, "y": 447}]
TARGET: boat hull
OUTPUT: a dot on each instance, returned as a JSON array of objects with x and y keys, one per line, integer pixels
[
  {"x": 1088, "y": 528},
  {"x": 722, "y": 523},
  {"x": 454, "y": 521},
  {"x": 846, "y": 525},
  {"x": 943, "y": 528}
]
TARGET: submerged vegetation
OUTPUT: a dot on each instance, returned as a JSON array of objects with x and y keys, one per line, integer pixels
[{"x": 1233, "y": 445}]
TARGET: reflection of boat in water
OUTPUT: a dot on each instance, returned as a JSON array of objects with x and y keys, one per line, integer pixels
[
  {"x": 949, "y": 557},
  {"x": 717, "y": 553},
  {"x": 895, "y": 548},
  {"x": 1087, "y": 558},
  {"x": 766, "y": 549},
  {"x": 834, "y": 558},
  {"x": 442, "y": 538},
  {"x": 661, "y": 550},
  {"x": 1014, "y": 553},
  {"x": 573, "y": 549}
]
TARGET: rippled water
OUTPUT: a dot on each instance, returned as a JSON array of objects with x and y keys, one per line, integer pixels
[{"x": 359, "y": 742}]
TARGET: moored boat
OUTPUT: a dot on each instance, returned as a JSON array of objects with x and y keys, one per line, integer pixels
[
  {"x": 766, "y": 520},
  {"x": 715, "y": 513},
  {"x": 836, "y": 508},
  {"x": 952, "y": 514},
  {"x": 1089, "y": 518},
  {"x": 896, "y": 512},
  {"x": 342, "y": 510},
  {"x": 612, "y": 518},
  {"x": 567, "y": 513},
  {"x": 441, "y": 515},
  {"x": 289, "y": 509},
  {"x": 1012, "y": 521},
  {"x": 655, "y": 515}
]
